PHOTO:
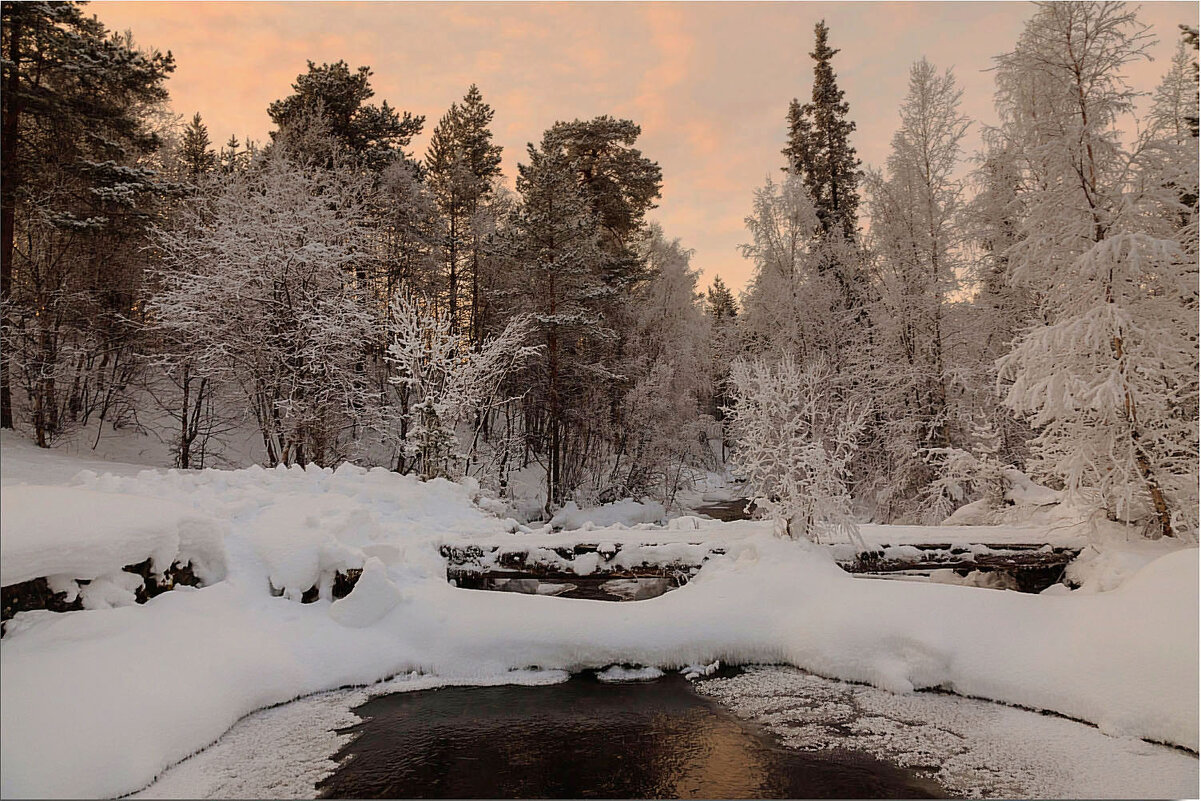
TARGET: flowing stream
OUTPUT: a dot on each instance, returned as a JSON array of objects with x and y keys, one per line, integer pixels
[{"x": 588, "y": 739}]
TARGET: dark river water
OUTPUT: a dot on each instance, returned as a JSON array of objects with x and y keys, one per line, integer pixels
[{"x": 587, "y": 739}]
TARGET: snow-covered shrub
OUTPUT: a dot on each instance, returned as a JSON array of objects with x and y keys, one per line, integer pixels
[
  {"x": 443, "y": 382},
  {"x": 794, "y": 443},
  {"x": 962, "y": 477}
]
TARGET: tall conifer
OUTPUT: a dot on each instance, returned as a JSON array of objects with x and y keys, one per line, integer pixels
[{"x": 819, "y": 148}]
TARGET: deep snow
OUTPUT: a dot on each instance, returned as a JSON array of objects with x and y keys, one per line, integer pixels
[{"x": 100, "y": 702}]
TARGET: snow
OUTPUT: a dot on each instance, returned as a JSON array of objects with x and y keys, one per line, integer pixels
[
  {"x": 973, "y": 748},
  {"x": 372, "y": 597},
  {"x": 1021, "y": 490},
  {"x": 618, "y": 673},
  {"x": 100, "y": 702},
  {"x": 628, "y": 512},
  {"x": 83, "y": 534}
]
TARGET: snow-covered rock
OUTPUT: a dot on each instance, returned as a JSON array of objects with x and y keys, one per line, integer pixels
[
  {"x": 373, "y": 596},
  {"x": 626, "y": 513},
  {"x": 82, "y": 534}
]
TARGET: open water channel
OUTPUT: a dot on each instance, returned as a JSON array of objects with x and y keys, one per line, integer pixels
[{"x": 588, "y": 739}]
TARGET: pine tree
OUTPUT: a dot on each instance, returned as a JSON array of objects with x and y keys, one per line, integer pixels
[
  {"x": 461, "y": 163},
  {"x": 620, "y": 183},
  {"x": 554, "y": 239},
  {"x": 375, "y": 134},
  {"x": 76, "y": 101}
]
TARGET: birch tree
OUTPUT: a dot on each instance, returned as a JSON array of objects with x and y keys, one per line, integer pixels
[
  {"x": 1110, "y": 379},
  {"x": 915, "y": 238}
]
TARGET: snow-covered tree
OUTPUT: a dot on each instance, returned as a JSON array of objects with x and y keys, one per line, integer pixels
[
  {"x": 448, "y": 383},
  {"x": 1110, "y": 379},
  {"x": 1174, "y": 107},
  {"x": 791, "y": 305},
  {"x": 794, "y": 441},
  {"x": 916, "y": 243},
  {"x": 258, "y": 278},
  {"x": 80, "y": 182},
  {"x": 664, "y": 432}
]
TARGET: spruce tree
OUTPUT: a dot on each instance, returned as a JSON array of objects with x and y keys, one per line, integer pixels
[
  {"x": 232, "y": 156},
  {"x": 196, "y": 154},
  {"x": 819, "y": 148},
  {"x": 721, "y": 303}
]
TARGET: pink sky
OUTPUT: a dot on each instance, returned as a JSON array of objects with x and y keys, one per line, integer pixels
[{"x": 708, "y": 82}]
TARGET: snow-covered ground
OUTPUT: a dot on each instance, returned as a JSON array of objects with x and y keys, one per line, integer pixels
[{"x": 100, "y": 702}]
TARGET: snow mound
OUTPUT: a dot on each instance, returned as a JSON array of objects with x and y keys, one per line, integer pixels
[
  {"x": 1023, "y": 491},
  {"x": 625, "y": 513},
  {"x": 372, "y": 597},
  {"x": 80, "y": 534}
]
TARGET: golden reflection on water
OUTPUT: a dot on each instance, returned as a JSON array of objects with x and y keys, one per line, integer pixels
[{"x": 704, "y": 758}]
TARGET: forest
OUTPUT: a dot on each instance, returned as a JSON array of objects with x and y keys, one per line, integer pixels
[{"x": 918, "y": 335}]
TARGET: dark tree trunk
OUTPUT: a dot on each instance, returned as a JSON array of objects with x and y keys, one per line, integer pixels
[{"x": 8, "y": 204}]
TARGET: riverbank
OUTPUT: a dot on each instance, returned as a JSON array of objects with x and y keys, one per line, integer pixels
[
  {"x": 943, "y": 744},
  {"x": 99, "y": 702}
]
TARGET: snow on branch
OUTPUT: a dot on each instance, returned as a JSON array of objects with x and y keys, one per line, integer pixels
[
  {"x": 446, "y": 383},
  {"x": 794, "y": 445}
]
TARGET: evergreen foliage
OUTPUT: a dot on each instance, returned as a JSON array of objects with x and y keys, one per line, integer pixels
[
  {"x": 77, "y": 188},
  {"x": 196, "y": 152},
  {"x": 819, "y": 148},
  {"x": 375, "y": 134}
]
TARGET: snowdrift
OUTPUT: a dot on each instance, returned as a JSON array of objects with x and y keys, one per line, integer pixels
[
  {"x": 83, "y": 534},
  {"x": 97, "y": 703}
]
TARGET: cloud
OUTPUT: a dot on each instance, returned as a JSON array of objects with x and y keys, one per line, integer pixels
[{"x": 708, "y": 82}]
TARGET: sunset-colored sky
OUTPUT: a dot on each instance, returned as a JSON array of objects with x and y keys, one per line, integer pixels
[{"x": 708, "y": 82}]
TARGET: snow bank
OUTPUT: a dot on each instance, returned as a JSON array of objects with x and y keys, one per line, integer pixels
[
  {"x": 99, "y": 703},
  {"x": 79, "y": 534}
]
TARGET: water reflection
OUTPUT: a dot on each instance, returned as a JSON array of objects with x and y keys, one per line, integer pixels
[{"x": 585, "y": 739}]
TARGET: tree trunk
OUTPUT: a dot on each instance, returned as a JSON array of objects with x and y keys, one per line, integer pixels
[{"x": 8, "y": 204}]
